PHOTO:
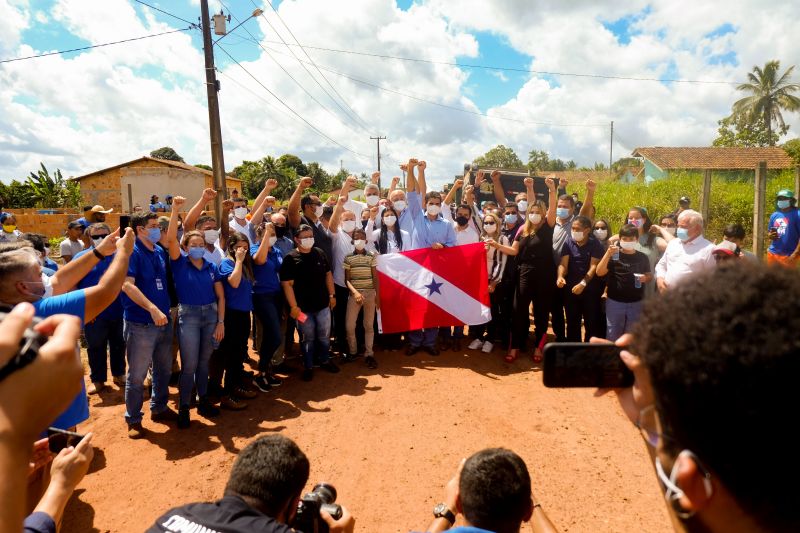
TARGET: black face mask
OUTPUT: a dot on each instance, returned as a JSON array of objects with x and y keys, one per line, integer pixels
[
  {"x": 280, "y": 231},
  {"x": 462, "y": 221}
]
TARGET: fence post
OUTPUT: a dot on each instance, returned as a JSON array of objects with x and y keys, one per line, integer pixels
[
  {"x": 796, "y": 181},
  {"x": 706, "y": 205},
  {"x": 759, "y": 231},
  {"x": 130, "y": 198}
]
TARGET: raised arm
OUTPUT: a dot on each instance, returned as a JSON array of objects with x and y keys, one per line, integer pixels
[
  {"x": 194, "y": 213},
  {"x": 336, "y": 216},
  {"x": 553, "y": 200},
  {"x": 263, "y": 249},
  {"x": 107, "y": 289},
  {"x": 411, "y": 180},
  {"x": 172, "y": 230},
  {"x": 587, "y": 210},
  {"x": 269, "y": 185},
  {"x": 294, "y": 201},
  {"x": 602, "y": 266},
  {"x": 451, "y": 194},
  {"x": 68, "y": 276},
  {"x": 508, "y": 250},
  {"x": 499, "y": 193},
  {"x": 394, "y": 184},
  {"x": 224, "y": 224},
  {"x": 262, "y": 203},
  {"x": 530, "y": 194},
  {"x": 235, "y": 277},
  {"x": 422, "y": 186}
]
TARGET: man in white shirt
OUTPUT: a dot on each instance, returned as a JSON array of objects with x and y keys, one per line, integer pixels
[
  {"x": 687, "y": 254},
  {"x": 72, "y": 245},
  {"x": 239, "y": 221}
]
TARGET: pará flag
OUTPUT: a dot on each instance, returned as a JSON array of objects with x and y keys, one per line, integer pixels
[{"x": 428, "y": 288}]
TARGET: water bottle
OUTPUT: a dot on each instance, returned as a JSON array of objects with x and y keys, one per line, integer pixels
[
  {"x": 637, "y": 281},
  {"x": 615, "y": 257}
]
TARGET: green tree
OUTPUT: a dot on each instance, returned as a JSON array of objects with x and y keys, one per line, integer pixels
[
  {"x": 793, "y": 149},
  {"x": 744, "y": 130},
  {"x": 72, "y": 194},
  {"x": 500, "y": 157},
  {"x": 770, "y": 93},
  {"x": 624, "y": 163},
  {"x": 538, "y": 160},
  {"x": 204, "y": 167},
  {"x": 292, "y": 161},
  {"x": 16, "y": 195},
  {"x": 47, "y": 190},
  {"x": 166, "y": 152}
]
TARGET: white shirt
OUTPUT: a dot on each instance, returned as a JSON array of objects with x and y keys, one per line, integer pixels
[
  {"x": 391, "y": 242},
  {"x": 216, "y": 256},
  {"x": 342, "y": 247},
  {"x": 247, "y": 229},
  {"x": 70, "y": 248},
  {"x": 468, "y": 235},
  {"x": 683, "y": 258}
]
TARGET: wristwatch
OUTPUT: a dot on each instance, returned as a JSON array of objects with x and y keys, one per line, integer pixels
[{"x": 443, "y": 511}]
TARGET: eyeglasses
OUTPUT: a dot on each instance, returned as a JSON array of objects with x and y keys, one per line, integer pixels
[{"x": 100, "y": 236}]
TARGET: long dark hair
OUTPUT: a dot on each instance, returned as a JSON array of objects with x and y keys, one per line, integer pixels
[
  {"x": 383, "y": 243},
  {"x": 645, "y": 225},
  {"x": 247, "y": 265}
]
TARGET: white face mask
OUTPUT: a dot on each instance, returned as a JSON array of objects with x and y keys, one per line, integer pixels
[
  {"x": 671, "y": 230},
  {"x": 627, "y": 245},
  {"x": 273, "y": 240},
  {"x": 211, "y": 236},
  {"x": 372, "y": 199},
  {"x": 577, "y": 236},
  {"x": 240, "y": 212},
  {"x": 601, "y": 234},
  {"x": 434, "y": 209},
  {"x": 399, "y": 205},
  {"x": 522, "y": 206},
  {"x": 535, "y": 218},
  {"x": 390, "y": 220},
  {"x": 348, "y": 225},
  {"x": 318, "y": 211},
  {"x": 308, "y": 242},
  {"x": 360, "y": 243}
]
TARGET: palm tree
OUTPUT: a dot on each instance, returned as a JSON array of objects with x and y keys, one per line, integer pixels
[{"x": 769, "y": 94}]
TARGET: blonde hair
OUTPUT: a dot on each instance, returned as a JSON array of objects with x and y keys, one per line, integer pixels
[
  {"x": 497, "y": 222},
  {"x": 529, "y": 226}
]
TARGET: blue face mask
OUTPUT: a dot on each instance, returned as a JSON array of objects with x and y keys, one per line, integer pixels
[
  {"x": 783, "y": 204},
  {"x": 511, "y": 218},
  {"x": 196, "y": 252},
  {"x": 682, "y": 234},
  {"x": 562, "y": 213},
  {"x": 153, "y": 235}
]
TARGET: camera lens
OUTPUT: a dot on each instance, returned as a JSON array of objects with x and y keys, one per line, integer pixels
[{"x": 325, "y": 492}]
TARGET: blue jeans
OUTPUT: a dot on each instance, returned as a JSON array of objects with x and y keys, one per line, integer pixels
[
  {"x": 196, "y": 325},
  {"x": 423, "y": 337},
  {"x": 147, "y": 343},
  {"x": 620, "y": 317},
  {"x": 316, "y": 337},
  {"x": 101, "y": 334},
  {"x": 268, "y": 308}
]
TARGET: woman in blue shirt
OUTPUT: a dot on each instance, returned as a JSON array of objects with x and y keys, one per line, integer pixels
[
  {"x": 267, "y": 302},
  {"x": 201, "y": 314}
]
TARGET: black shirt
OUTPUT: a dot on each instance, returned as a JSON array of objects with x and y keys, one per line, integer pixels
[
  {"x": 173, "y": 292},
  {"x": 621, "y": 284},
  {"x": 228, "y": 515},
  {"x": 322, "y": 238},
  {"x": 536, "y": 250},
  {"x": 308, "y": 271}
]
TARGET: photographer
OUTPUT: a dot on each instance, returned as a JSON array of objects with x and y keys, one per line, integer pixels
[{"x": 262, "y": 495}]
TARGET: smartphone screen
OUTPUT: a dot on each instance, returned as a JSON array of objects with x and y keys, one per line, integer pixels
[
  {"x": 58, "y": 439},
  {"x": 124, "y": 222},
  {"x": 578, "y": 364}
]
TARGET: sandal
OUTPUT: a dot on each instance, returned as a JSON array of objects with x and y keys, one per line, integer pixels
[
  {"x": 512, "y": 355},
  {"x": 537, "y": 356}
]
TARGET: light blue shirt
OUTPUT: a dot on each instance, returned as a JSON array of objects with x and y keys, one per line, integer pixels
[{"x": 427, "y": 231}]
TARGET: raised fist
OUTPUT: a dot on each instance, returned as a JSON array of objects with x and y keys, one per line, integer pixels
[
  {"x": 177, "y": 202},
  {"x": 227, "y": 205},
  {"x": 422, "y": 165},
  {"x": 271, "y": 184},
  {"x": 591, "y": 185},
  {"x": 208, "y": 195},
  {"x": 458, "y": 183},
  {"x": 528, "y": 182},
  {"x": 305, "y": 183},
  {"x": 551, "y": 185},
  {"x": 495, "y": 174},
  {"x": 375, "y": 177}
]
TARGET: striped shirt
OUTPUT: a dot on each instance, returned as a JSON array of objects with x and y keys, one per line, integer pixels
[{"x": 360, "y": 268}]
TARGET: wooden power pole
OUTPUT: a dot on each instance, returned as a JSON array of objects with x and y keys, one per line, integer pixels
[{"x": 759, "y": 231}]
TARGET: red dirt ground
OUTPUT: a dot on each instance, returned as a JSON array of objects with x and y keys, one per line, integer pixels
[{"x": 388, "y": 439}]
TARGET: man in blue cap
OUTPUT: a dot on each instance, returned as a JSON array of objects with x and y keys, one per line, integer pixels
[{"x": 784, "y": 231}]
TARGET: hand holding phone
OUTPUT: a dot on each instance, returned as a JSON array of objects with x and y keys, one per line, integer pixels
[
  {"x": 579, "y": 364},
  {"x": 58, "y": 439}
]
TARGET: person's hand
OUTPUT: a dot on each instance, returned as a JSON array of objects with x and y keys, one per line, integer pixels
[
  {"x": 422, "y": 165},
  {"x": 294, "y": 312},
  {"x": 491, "y": 242},
  {"x": 528, "y": 182},
  {"x": 346, "y": 524},
  {"x": 332, "y": 303},
  {"x": 492, "y": 287},
  {"x": 655, "y": 229},
  {"x": 640, "y": 395},
  {"x": 109, "y": 244},
  {"x": 125, "y": 244},
  {"x": 350, "y": 184},
  {"x": 578, "y": 289},
  {"x": 591, "y": 186},
  {"x": 373, "y": 212},
  {"x": 551, "y": 185},
  {"x": 403, "y": 167},
  {"x": 159, "y": 318},
  {"x": 359, "y": 298},
  {"x": 41, "y": 455},
  {"x": 219, "y": 332},
  {"x": 661, "y": 284},
  {"x": 411, "y": 164},
  {"x": 612, "y": 250},
  {"x": 177, "y": 202},
  {"x": 437, "y": 246},
  {"x": 560, "y": 282},
  {"x": 395, "y": 182},
  {"x": 342, "y": 199},
  {"x": 305, "y": 183},
  {"x": 32, "y": 397},
  {"x": 375, "y": 177},
  {"x": 332, "y": 200},
  {"x": 270, "y": 184},
  {"x": 451, "y": 492},
  {"x": 209, "y": 194},
  {"x": 227, "y": 205},
  {"x": 70, "y": 465},
  {"x": 773, "y": 234},
  {"x": 563, "y": 182},
  {"x": 495, "y": 175},
  {"x": 469, "y": 189},
  {"x": 240, "y": 254},
  {"x": 269, "y": 201},
  {"x": 458, "y": 183}
]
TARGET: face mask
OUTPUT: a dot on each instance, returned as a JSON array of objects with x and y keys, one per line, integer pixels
[
  {"x": 240, "y": 212},
  {"x": 308, "y": 242},
  {"x": 280, "y": 231},
  {"x": 671, "y": 230},
  {"x": 348, "y": 226},
  {"x": 211, "y": 236},
  {"x": 522, "y": 206},
  {"x": 273, "y": 240},
  {"x": 577, "y": 236},
  {"x": 462, "y": 221},
  {"x": 672, "y": 492},
  {"x": 196, "y": 252},
  {"x": 35, "y": 288},
  {"x": 510, "y": 218},
  {"x": 535, "y": 218},
  {"x": 638, "y": 222},
  {"x": 682, "y": 234},
  {"x": 399, "y": 205},
  {"x": 153, "y": 235},
  {"x": 562, "y": 213},
  {"x": 360, "y": 243},
  {"x": 601, "y": 234},
  {"x": 372, "y": 200},
  {"x": 96, "y": 241},
  {"x": 434, "y": 209},
  {"x": 390, "y": 221},
  {"x": 9, "y": 228},
  {"x": 627, "y": 245},
  {"x": 490, "y": 228},
  {"x": 783, "y": 204},
  {"x": 318, "y": 211}
]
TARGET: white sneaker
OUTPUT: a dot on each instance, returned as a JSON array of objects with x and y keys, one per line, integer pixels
[
  {"x": 487, "y": 347},
  {"x": 475, "y": 345}
]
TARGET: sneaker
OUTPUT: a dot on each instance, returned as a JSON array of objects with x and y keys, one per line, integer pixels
[
  {"x": 348, "y": 358},
  {"x": 371, "y": 362},
  {"x": 476, "y": 344},
  {"x": 183, "y": 418},
  {"x": 95, "y": 387},
  {"x": 411, "y": 350},
  {"x": 229, "y": 402},
  {"x": 273, "y": 381},
  {"x": 167, "y": 415},
  {"x": 432, "y": 350},
  {"x": 119, "y": 380},
  {"x": 261, "y": 384},
  {"x": 487, "y": 347},
  {"x": 308, "y": 374},
  {"x": 207, "y": 409},
  {"x": 330, "y": 367},
  {"x": 241, "y": 392},
  {"x": 135, "y": 431}
]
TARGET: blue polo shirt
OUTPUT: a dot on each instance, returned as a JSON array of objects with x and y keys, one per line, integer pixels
[
  {"x": 240, "y": 298},
  {"x": 71, "y": 303},
  {"x": 195, "y": 286},
  {"x": 52, "y": 265},
  {"x": 427, "y": 231},
  {"x": 580, "y": 259},
  {"x": 114, "y": 310},
  {"x": 787, "y": 225},
  {"x": 267, "y": 280},
  {"x": 149, "y": 270}
]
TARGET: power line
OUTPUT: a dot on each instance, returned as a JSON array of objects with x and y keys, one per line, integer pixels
[
  {"x": 94, "y": 46},
  {"x": 167, "y": 13},
  {"x": 289, "y": 108}
]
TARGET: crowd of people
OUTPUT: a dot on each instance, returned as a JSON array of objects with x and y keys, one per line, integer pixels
[{"x": 172, "y": 298}]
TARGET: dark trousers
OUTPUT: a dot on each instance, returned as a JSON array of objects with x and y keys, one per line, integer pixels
[
  {"x": 537, "y": 288},
  {"x": 267, "y": 308},
  {"x": 229, "y": 358},
  {"x": 581, "y": 307},
  {"x": 491, "y": 328},
  {"x": 102, "y": 334},
  {"x": 340, "y": 318},
  {"x": 557, "y": 311}
]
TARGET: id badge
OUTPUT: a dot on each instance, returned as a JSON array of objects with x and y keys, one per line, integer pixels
[{"x": 159, "y": 285}]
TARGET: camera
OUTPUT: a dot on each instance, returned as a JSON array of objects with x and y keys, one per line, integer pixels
[
  {"x": 307, "y": 518},
  {"x": 28, "y": 348}
]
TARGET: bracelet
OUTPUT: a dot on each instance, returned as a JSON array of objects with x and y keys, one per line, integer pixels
[
  {"x": 331, "y": 296},
  {"x": 582, "y": 283},
  {"x": 221, "y": 322},
  {"x": 97, "y": 254}
]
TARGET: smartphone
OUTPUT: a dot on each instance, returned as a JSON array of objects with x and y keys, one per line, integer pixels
[
  {"x": 124, "y": 222},
  {"x": 302, "y": 317},
  {"x": 58, "y": 439},
  {"x": 581, "y": 364}
]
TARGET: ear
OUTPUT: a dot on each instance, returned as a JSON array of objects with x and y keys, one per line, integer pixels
[
  {"x": 692, "y": 482},
  {"x": 459, "y": 508},
  {"x": 287, "y": 513}
]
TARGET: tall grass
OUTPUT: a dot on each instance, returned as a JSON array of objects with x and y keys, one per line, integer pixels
[{"x": 732, "y": 199}]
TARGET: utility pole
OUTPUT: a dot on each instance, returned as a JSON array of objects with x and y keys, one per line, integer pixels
[
  {"x": 379, "y": 139},
  {"x": 212, "y": 87},
  {"x": 611, "y": 151}
]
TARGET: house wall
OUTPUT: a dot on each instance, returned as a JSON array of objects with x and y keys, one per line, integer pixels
[{"x": 652, "y": 171}]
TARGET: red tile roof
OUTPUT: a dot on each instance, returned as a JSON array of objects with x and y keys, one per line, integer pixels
[
  {"x": 715, "y": 158},
  {"x": 167, "y": 162}
]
